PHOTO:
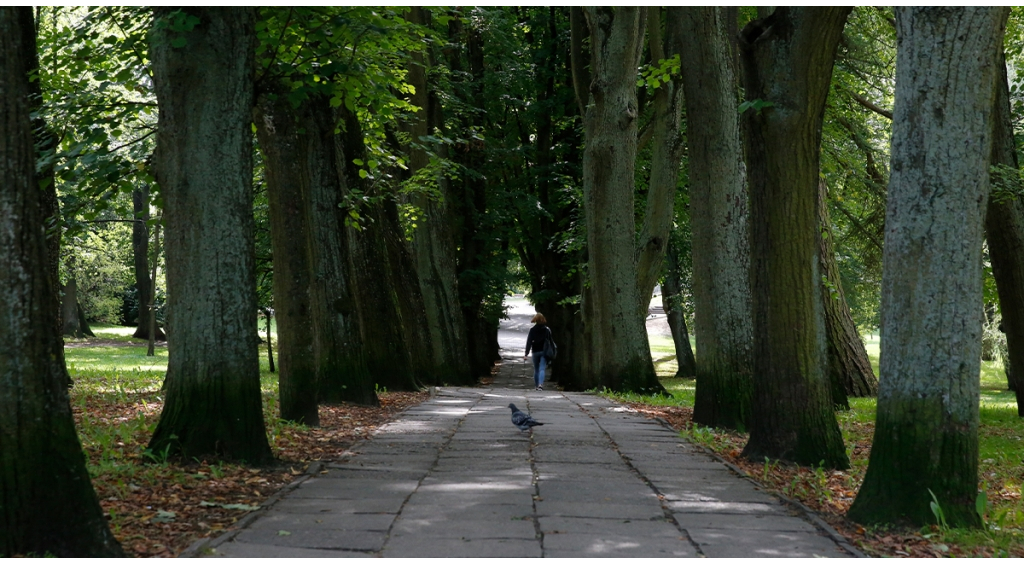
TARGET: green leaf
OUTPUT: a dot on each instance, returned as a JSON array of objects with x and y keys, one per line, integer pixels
[
  {"x": 363, "y": 173},
  {"x": 283, "y": 533},
  {"x": 179, "y": 42}
]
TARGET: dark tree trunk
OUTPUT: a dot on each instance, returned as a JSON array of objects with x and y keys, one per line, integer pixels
[
  {"x": 618, "y": 353},
  {"x": 337, "y": 345},
  {"x": 204, "y": 87},
  {"x": 849, "y": 369},
  {"x": 926, "y": 432},
  {"x": 151, "y": 301},
  {"x": 671, "y": 295},
  {"x": 140, "y": 253},
  {"x": 287, "y": 160},
  {"x": 47, "y": 503},
  {"x": 1004, "y": 224},
  {"x": 270, "y": 344},
  {"x": 433, "y": 246},
  {"x": 83, "y": 324},
  {"x": 787, "y": 59},
  {"x": 392, "y": 356},
  {"x": 719, "y": 219}
]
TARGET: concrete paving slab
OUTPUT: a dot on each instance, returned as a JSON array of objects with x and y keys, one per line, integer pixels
[
  {"x": 294, "y": 504},
  {"x": 620, "y": 546},
  {"x": 344, "y": 521},
  {"x": 415, "y": 546},
  {"x": 731, "y": 507},
  {"x": 316, "y": 538},
  {"x": 476, "y": 529},
  {"x": 739, "y": 523},
  {"x": 720, "y": 543},
  {"x": 648, "y": 510},
  {"x": 658, "y": 527}
]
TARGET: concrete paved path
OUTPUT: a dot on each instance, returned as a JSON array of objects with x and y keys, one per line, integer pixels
[{"x": 453, "y": 478}]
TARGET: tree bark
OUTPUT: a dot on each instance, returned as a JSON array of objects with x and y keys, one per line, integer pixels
[
  {"x": 666, "y": 153},
  {"x": 617, "y": 347},
  {"x": 849, "y": 369},
  {"x": 69, "y": 310},
  {"x": 671, "y": 290},
  {"x": 391, "y": 342},
  {"x": 152, "y": 333},
  {"x": 787, "y": 59},
  {"x": 1004, "y": 224},
  {"x": 287, "y": 160},
  {"x": 926, "y": 431},
  {"x": 47, "y": 503},
  {"x": 719, "y": 222},
  {"x": 204, "y": 87}
]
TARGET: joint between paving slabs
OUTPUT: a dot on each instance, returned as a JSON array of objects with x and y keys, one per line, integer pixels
[
  {"x": 448, "y": 440},
  {"x": 661, "y": 498},
  {"x": 536, "y": 489}
]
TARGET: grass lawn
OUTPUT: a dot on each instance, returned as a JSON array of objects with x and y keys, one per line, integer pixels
[{"x": 831, "y": 493}]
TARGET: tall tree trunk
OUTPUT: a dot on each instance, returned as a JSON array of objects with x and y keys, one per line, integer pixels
[
  {"x": 433, "y": 248},
  {"x": 666, "y": 153},
  {"x": 204, "y": 165},
  {"x": 337, "y": 345},
  {"x": 787, "y": 59},
  {"x": 926, "y": 432},
  {"x": 618, "y": 350},
  {"x": 47, "y": 503},
  {"x": 69, "y": 310},
  {"x": 287, "y": 161},
  {"x": 671, "y": 296},
  {"x": 1004, "y": 223},
  {"x": 719, "y": 221},
  {"x": 849, "y": 369},
  {"x": 392, "y": 354},
  {"x": 151, "y": 300},
  {"x": 140, "y": 254}
]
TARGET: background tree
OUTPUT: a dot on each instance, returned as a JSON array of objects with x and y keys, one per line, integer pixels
[
  {"x": 47, "y": 503},
  {"x": 926, "y": 434},
  {"x": 203, "y": 73}
]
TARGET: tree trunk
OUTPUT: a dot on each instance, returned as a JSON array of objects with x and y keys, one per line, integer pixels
[
  {"x": 617, "y": 347},
  {"x": 287, "y": 161},
  {"x": 140, "y": 253},
  {"x": 391, "y": 352},
  {"x": 152, "y": 333},
  {"x": 204, "y": 87},
  {"x": 926, "y": 431},
  {"x": 666, "y": 153},
  {"x": 671, "y": 290},
  {"x": 787, "y": 59},
  {"x": 433, "y": 247},
  {"x": 719, "y": 221},
  {"x": 270, "y": 344},
  {"x": 47, "y": 503},
  {"x": 1004, "y": 224},
  {"x": 337, "y": 345},
  {"x": 83, "y": 324},
  {"x": 849, "y": 369},
  {"x": 69, "y": 310}
]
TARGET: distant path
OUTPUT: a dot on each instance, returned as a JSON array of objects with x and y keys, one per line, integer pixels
[{"x": 453, "y": 478}]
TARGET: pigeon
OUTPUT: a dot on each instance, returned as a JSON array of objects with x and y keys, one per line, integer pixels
[{"x": 522, "y": 420}]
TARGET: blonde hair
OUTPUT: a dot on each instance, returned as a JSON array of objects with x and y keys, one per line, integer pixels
[{"x": 539, "y": 318}]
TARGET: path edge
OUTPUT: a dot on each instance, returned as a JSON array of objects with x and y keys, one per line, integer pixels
[{"x": 807, "y": 512}]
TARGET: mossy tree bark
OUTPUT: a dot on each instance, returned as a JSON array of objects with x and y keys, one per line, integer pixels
[
  {"x": 47, "y": 503},
  {"x": 140, "y": 259},
  {"x": 926, "y": 432},
  {"x": 849, "y": 368},
  {"x": 719, "y": 222},
  {"x": 204, "y": 89},
  {"x": 787, "y": 68},
  {"x": 1004, "y": 224},
  {"x": 617, "y": 348},
  {"x": 287, "y": 158}
]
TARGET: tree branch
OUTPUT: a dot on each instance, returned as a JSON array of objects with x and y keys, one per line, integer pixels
[{"x": 872, "y": 106}]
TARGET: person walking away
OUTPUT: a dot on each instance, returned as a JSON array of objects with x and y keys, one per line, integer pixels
[{"x": 535, "y": 340}]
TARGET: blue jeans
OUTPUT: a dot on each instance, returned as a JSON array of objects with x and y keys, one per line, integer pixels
[{"x": 539, "y": 362}]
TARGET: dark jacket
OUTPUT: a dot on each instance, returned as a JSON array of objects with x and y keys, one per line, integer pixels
[{"x": 537, "y": 337}]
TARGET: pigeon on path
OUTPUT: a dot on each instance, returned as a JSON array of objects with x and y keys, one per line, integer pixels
[{"x": 522, "y": 420}]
